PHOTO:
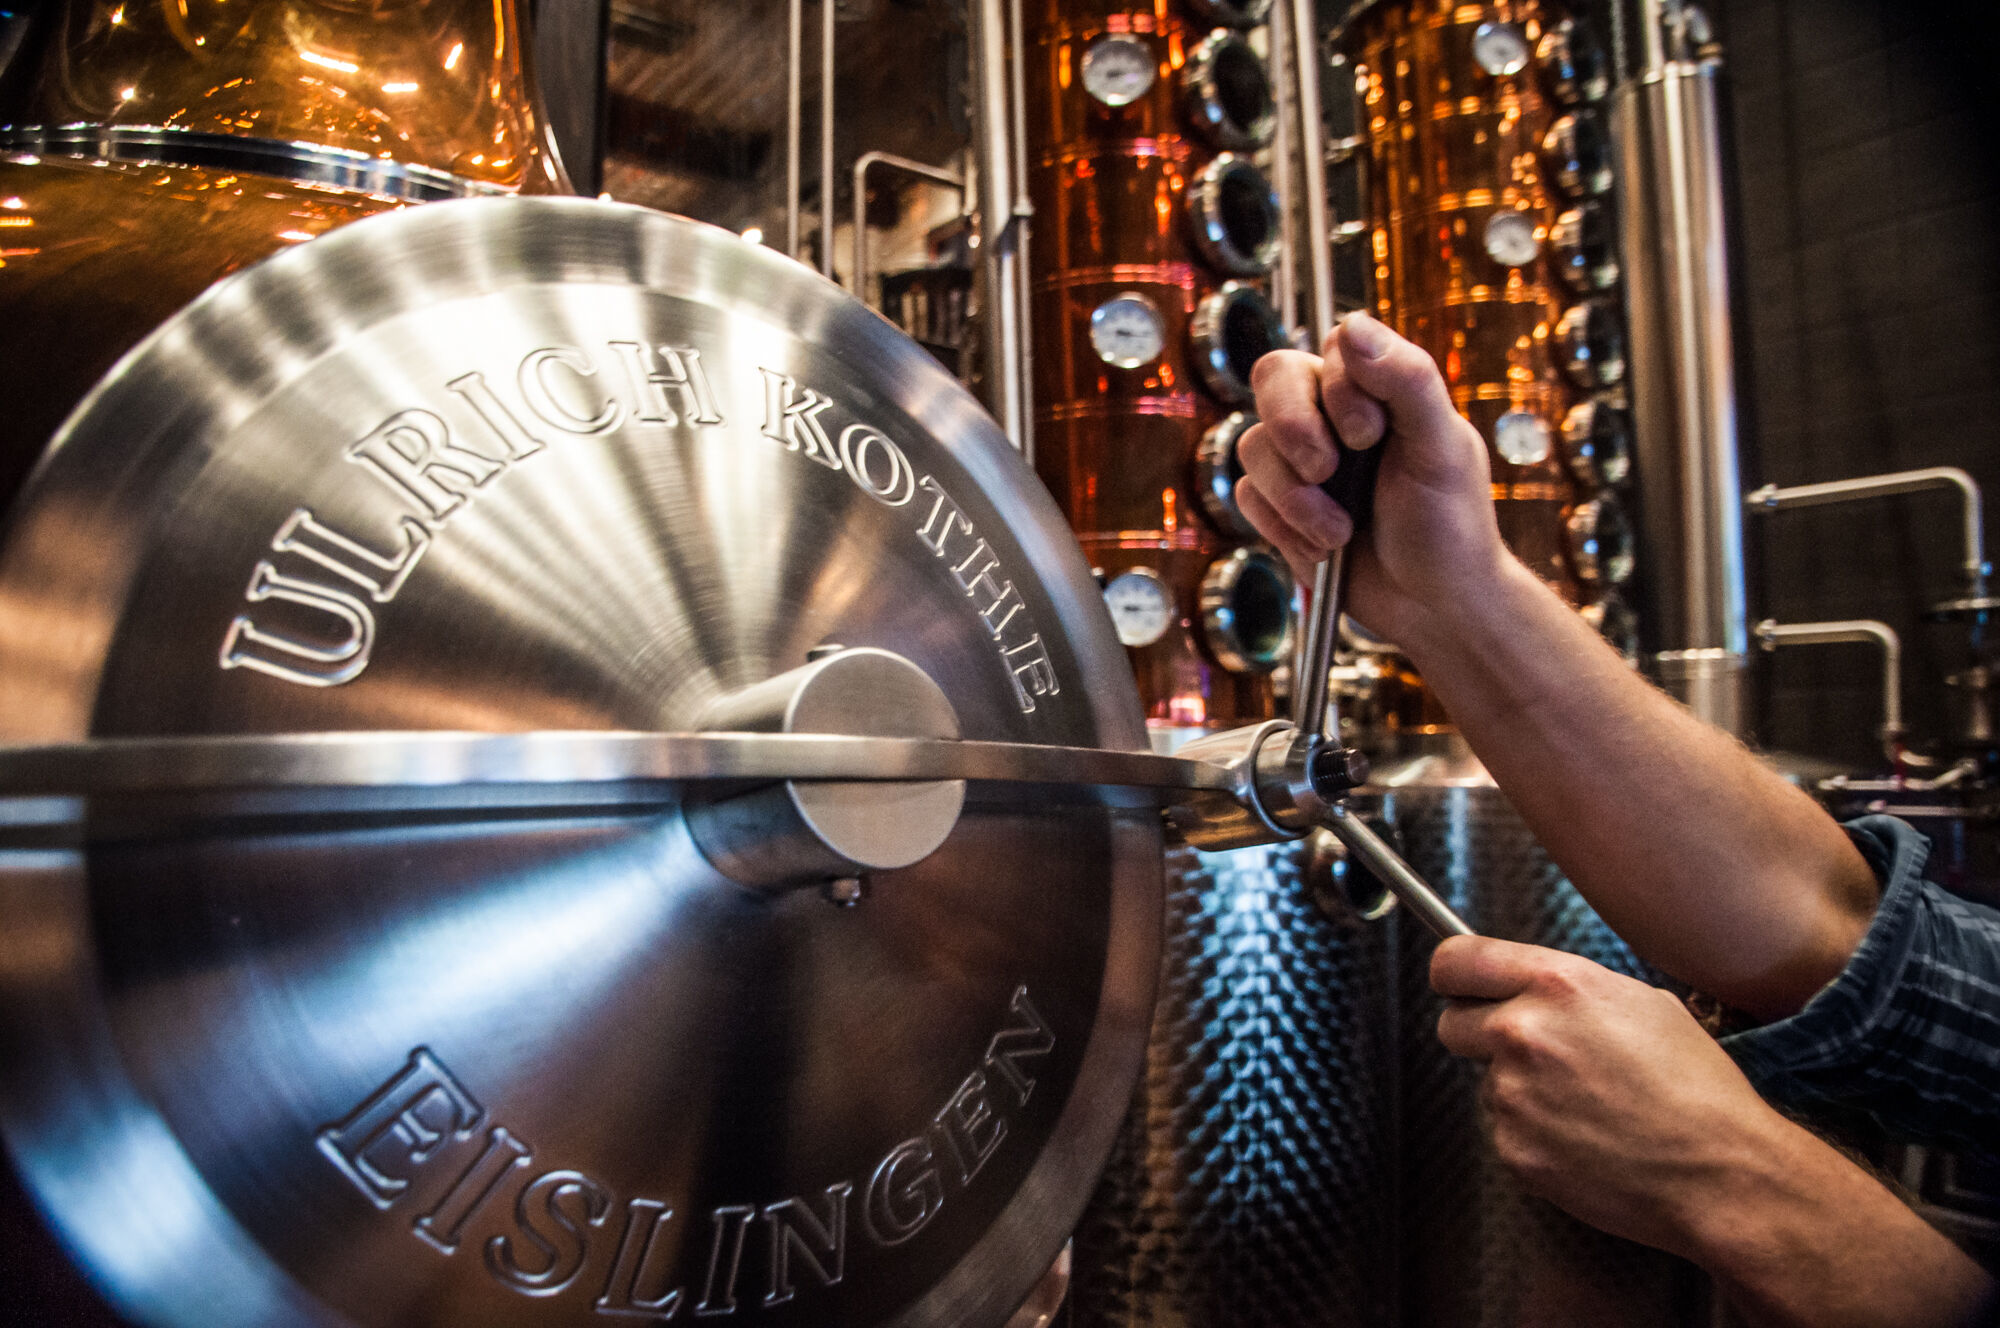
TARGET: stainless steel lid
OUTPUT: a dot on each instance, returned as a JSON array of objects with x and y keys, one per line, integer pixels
[{"x": 521, "y": 464}]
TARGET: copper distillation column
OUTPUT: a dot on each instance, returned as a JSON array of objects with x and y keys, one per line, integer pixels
[
  {"x": 1492, "y": 243},
  {"x": 1156, "y": 232}
]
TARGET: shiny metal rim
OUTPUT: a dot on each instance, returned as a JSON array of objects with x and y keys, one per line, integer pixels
[
  {"x": 162, "y": 145},
  {"x": 1593, "y": 351},
  {"x": 459, "y": 764},
  {"x": 1208, "y": 331},
  {"x": 1221, "y": 614},
  {"x": 1600, "y": 542},
  {"x": 1216, "y": 471},
  {"x": 1204, "y": 90},
  {"x": 1211, "y": 230},
  {"x": 1598, "y": 443}
]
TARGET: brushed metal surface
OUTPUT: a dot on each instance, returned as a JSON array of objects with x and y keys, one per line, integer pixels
[
  {"x": 540, "y": 1069},
  {"x": 1254, "y": 1180}
]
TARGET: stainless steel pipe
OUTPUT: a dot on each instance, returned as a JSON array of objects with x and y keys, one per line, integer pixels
[
  {"x": 1852, "y": 631},
  {"x": 1772, "y": 498},
  {"x": 1666, "y": 121}
]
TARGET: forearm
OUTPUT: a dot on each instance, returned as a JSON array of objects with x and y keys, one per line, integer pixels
[
  {"x": 1708, "y": 863},
  {"x": 1803, "y": 1238}
]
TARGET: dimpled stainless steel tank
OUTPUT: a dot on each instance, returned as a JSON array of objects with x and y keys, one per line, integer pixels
[{"x": 1476, "y": 1250}]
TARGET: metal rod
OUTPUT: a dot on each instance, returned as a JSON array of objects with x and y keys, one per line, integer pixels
[
  {"x": 1312, "y": 156},
  {"x": 1388, "y": 867},
  {"x": 794, "y": 130},
  {"x": 1771, "y": 498},
  {"x": 1284, "y": 181},
  {"x": 1852, "y": 631},
  {"x": 997, "y": 215},
  {"x": 826, "y": 138},
  {"x": 858, "y": 274},
  {"x": 1312, "y": 698}
]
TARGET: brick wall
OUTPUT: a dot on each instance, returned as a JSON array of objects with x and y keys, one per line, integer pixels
[{"x": 1867, "y": 178}]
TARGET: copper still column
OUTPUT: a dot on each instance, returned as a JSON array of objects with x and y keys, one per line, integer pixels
[
  {"x": 1492, "y": 244},
  {"x": 1251, "y": 1183}
]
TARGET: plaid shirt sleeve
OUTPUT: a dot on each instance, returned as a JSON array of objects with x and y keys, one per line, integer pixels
[{"x": 1909, "y": 1033}]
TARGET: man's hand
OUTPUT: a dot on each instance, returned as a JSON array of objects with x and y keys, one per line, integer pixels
[
  {"x": 1606, "y": 1097},
  {"x": 1435, "y": 541},
  {"x": 1609, "y": 1100}
]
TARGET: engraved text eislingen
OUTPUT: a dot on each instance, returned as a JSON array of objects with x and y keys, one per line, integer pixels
[{"x": 422, "y": 1135}]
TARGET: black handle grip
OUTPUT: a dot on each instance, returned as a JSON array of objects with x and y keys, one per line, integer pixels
[{"x": 1352, "y": 484}]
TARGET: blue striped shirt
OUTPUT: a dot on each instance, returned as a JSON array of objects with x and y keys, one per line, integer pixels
[{"x": 1909, "y": 1033}]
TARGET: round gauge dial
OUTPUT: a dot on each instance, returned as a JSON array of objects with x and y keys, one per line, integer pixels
[
  {"x": 1118, "y": 70},
  {"x": 1127, "y": 331},
  {"x": 1510, "y": 238},
  {"x": 1142, "y": 607},
  {"x": 1521, "y": 438},
  {"x": 1500, "y": 48}
]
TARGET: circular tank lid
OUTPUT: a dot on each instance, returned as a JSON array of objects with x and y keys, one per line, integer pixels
[{"x": 522, "y": 464}]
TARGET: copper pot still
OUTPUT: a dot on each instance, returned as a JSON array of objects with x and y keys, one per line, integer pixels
[{"x": 149, "y": 149}]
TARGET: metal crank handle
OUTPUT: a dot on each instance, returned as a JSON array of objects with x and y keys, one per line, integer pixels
[
  {"x": 1352, "y": 485},
  {"x": 1388, "y": 867}
]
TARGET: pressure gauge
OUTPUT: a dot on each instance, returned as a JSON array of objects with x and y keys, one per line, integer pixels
[
  {"x": 1510, "y": 238},
  {"x": 1522, "y": 438},
  {"x": 1500, "y": 48},
  {"x": 1117, "y": 70},
  {"x": 1142, "y": 607},
  {"x": 1127, "y": 330}
]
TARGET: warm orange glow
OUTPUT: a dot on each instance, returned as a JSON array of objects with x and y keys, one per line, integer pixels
[
  {"x": 329, "y": 62},
  {"x": 452, "y": 57},
  {"x": 1169, "y": 517}
]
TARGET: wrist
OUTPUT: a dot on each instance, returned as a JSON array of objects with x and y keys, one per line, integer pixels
[{"x": 1475, "y": 613}]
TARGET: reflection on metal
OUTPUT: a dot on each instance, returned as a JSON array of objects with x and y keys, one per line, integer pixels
[
  {"x": 1233, "y": 328},
  {"x": 1254, "y": 1181},
  {"x": 442, "y": 85},
  {"x": 1234, "y": 212},
  {"x": 306, "y": 163},
  {"x": 1683, "y": 374},
  {"x": 1475, "y": 1248},
  {"x": 494, "y": 1072},
  {"x": 1246, "y": 611},
  {"x": 64, "y": 328}
]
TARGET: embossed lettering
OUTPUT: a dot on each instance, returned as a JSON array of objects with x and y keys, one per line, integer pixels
[
  {"x": 245, "y": 645},
  {"x": 415, "y": 1112},
  {"x": 821, "y": 1245},
  {"x": 795, "y": 422},
  {"x": 381, "y": 577},
  {"x": 1031, "y": 1037},
  {"x": 413, "y": 453},
  {"x": 1034, "y": 674},
  {"x": 513, "y": 435},
  {"x": 556, "y": 1233},
  {"x": 975, "y": 577},
  {"x": 969, "y": 1125},
  {"x": 937, "y": 527},
  {"x": 904, "y": 1194},
  {"x": 440, "y": 1228},
  {"x": 679, "y": 370},
  {"x": 878, "y": 467},
  {"x": 547, "y": 402},
  {"x": 725, "y": 1259},
  {"x": 643, "y": 1220}
]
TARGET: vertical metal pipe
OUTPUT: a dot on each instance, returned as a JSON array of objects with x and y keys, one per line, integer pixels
[
  {"x": 794, "y": 102},
  {"x": 1285, "y": 179},
  {"x": 1312, "y": 159},
  {"x": 1024, "y": 210},
  {"x": 993, "y": 119},
  {"x": 1683, "y": 376},
  {"x": 826, "y": 138}
]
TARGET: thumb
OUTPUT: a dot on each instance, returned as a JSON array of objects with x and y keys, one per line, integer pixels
[{"x": 1406, "y": 381}]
